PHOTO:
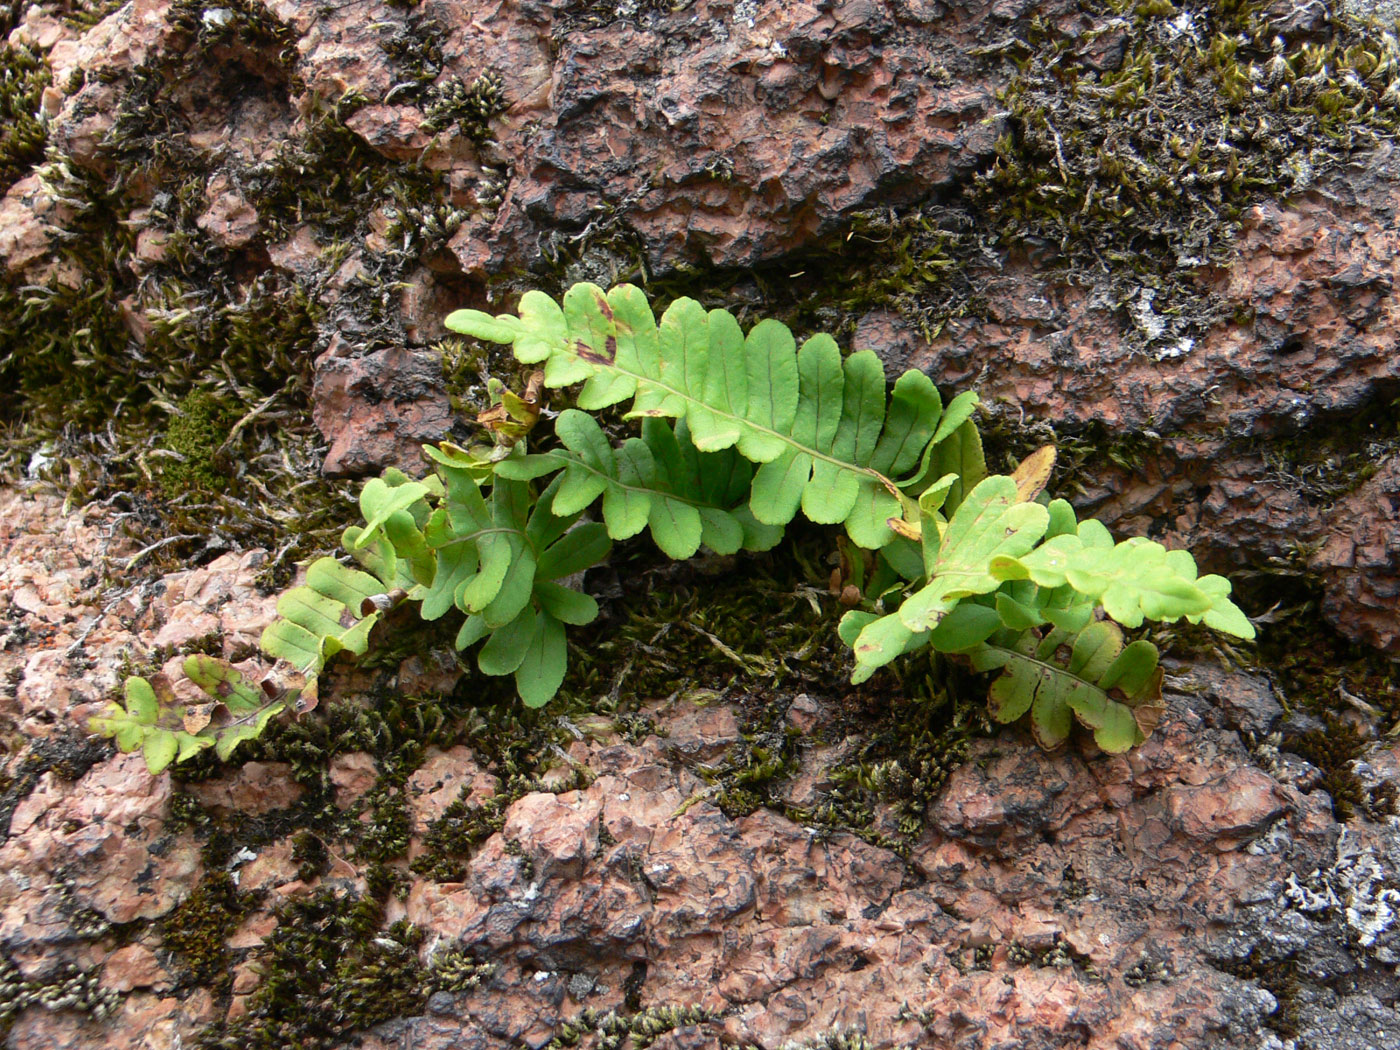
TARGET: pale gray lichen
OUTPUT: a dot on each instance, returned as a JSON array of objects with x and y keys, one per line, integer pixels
[{"x": 1358, "y": 888}]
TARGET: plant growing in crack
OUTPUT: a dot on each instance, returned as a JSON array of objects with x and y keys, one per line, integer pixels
[{"x": 739, "y": 432}]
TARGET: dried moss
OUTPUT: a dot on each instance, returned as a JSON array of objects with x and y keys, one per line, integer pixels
[{"x": 1134, "y": 150}]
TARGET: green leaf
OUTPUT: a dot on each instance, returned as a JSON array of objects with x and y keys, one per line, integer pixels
[
  {"x": 159, "y": 750},
  {"x": 565, "y": 604},
  {"x": 378, "y": 500},
  {"x": 541, "y": 672},
  {"x": 964, "y": 627},
  {"x": 141, "y": 702},
  {"x": 471, "y": 632},
  {"x": 879, "y": 642},
  {"x": 1112, "y": 689},
  {"x": 989, "y": 524},
  {"x": 506, "y": 648},
  {"x": 515, "y": 590},
  {"x": 822, "y": 420},
  {"x": 224, "y": 683},
  {"x": 580, "y": 548}
]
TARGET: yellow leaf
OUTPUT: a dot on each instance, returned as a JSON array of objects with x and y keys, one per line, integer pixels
[{"x": 1033, "y": 473}]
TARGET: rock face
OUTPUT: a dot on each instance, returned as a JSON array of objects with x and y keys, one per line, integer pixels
[{"x": 280, "y": 197}]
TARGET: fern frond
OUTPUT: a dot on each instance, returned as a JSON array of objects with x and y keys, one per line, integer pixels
[
  {"x": 825, "y": 437},
  {"x": 323, "y": 617},
  {"x": 165, "y": 731},
  {"x": 1135, "y": 580},
  {"x": 659, "y": 481},
  {"x": 1112, "y": 688}
]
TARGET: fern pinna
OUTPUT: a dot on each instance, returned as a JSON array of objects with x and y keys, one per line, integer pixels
[{"x": 739, "y": 431}]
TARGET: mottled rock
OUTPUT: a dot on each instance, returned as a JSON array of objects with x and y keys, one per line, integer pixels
[
  {"x": 254, "y": 789},
  {"x": 377, "y": 410}
]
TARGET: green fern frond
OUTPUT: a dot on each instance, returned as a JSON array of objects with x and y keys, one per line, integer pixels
[
  {"x": 1112, "y": 688},
  {"x": 820, "y": 427},
  {"x": 165, "y": 731},
  {"x": 659, "y": 481}
]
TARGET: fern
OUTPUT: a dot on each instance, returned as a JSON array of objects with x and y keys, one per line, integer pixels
[
  {"x": 165, "y": 731},
  {"x": 1112, "y": 688},
  {"x": 821, "y": 429},
  {"x": 660, "y": 482},
  {"x": 738, "y": 433},
  {"x": 992, "y": 592}
]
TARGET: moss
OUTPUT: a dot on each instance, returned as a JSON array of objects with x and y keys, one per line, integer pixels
[
  {"x": 69, "y": 989},
  {"x": 198, "y": 428},
  {"x": 637, "y": 1028},
  {"x": 1141, "y": 168},
  {"x": 198, "y": 929},
  {"x": 1333, "y": 457},
  {"x": 1279, "y": 977},
  {"x": 310, "y": 855},
  {"x": 469, "y": 108},
  {"x": 23, "y": 77},
  {"x": 330, "y": 968}
]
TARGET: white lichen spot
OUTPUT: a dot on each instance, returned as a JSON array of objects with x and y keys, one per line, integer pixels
[
  {"x": 1184, "y": 25},
  {"x": 38, "y": 461},
  {"x": 1180, "y": 348},
  {"x": 746, "y": 12},
  {"x": 217, "y": 17},
  {"x": 1140, "y": 309},
  {"x": 1274, "y": 841}
]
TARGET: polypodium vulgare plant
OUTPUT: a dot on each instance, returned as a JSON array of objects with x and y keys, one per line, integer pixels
[{"x": 739, "y": 431}]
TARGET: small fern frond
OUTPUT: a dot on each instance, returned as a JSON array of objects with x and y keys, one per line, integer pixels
[
  {"x": 164, "y": 730},
  {"x": 1112, "y": 688},
  {"x": 659, "y": 481}
]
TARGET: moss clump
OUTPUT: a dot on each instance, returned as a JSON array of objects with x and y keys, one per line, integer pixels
[
  {"x": 23, "y": 77},
  {"x": 198, "y": 929},
  {"x": 639, "y": 1029},
  {"x": 330, "y": 968},
  {"x": 198, "y": 427},
  {"x": 1279, "y": 977},
  {"x": 469, "y": 108},
  {"x": 70, "y": 989},
  {"x": 1353, "y": 689}
]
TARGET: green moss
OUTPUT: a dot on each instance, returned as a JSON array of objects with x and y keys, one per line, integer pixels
[
  {"x": 198, "y": 428},
  {"x": 330, "y": 968},
  {"x": 469, "y": 108},
  {"x": 23, "y": 77}
]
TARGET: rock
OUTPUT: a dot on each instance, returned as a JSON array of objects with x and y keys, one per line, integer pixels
[
  {"x": 377, "y": 410},
  {"x": 103, "y": 841},
  {"x": 229, "y": 220},
  {"x": 135, "y": 966},
  {"x": 1192, "y": 892},
  {"x": 254, "y": 789},
  {"x": 352, "y": 774}
]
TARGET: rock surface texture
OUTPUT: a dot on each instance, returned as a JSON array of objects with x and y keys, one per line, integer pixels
[{"x": 244, "y": 218}]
